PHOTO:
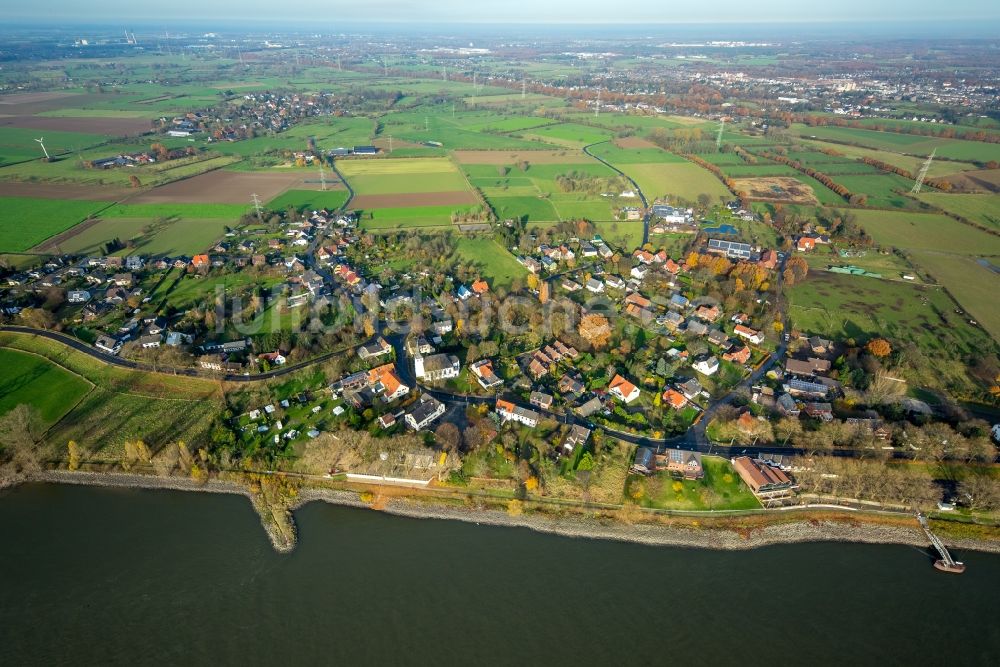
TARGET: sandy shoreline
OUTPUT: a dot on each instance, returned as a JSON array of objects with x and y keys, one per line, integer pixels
[{"x": 786, "y": 532}]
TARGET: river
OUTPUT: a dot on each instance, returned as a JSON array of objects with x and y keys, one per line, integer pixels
[{"x": 93, "y": 576}]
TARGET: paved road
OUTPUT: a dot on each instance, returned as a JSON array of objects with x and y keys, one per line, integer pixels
[{"x": 645, "y": 204}]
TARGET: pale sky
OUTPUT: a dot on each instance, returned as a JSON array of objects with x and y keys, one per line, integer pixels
[{"x": 330, "y": 12}]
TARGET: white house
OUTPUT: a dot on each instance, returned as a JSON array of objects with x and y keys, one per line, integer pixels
[
  {"x": 623, "y": 389},
  {"x": 436, "y": 367},
  {"x": 78, "y": 296},
  {"x": 510, "y": 412},
  {"x": 426, "y": 411},
  {"x": 707, "y": 366}
]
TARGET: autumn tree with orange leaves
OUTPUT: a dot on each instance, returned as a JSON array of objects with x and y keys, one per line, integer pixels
[{"x": 879, "y": 347}]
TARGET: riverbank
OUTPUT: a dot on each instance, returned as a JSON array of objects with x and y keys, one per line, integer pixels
[{"x": 693, "y": 532}]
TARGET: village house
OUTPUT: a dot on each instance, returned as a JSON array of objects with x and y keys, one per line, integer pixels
[
  {"x": 540, "y": 400},
  {"x": 589, "y": 407},
  {"x": 108, "y": 344},
  {"x": 690, "y": 388},
  {"x": 761, "y": 477},
  {"x": 377, "y": 348},
  {"x": 424, "y": 412},
  {"x": 78, "y": 296},
  {"x": 577, "y": 436},
  {"x": 809, "y": 367},
  {"x": 508, "y": 411},
  {"x": 821, "y": 411},
  {"x": 275, "y": 358},
  {"x": 681, "y": 462},
  {"x": 483, "y": 372},
  {"x": 674, "y": 399},
  {"x": 570, "y": 386},
  {"x": 820, "y": 345},
  {"x": 752, "y": 335},
  {"x": 707, "y": 313},
  {"x": 644, "y": 461},
  {"x": 623, "y": 389},
  {"x": 706, "y": 365},
  {"x": 737, "y": 354},
  {"x": 787, "y": 406},
  {"x": 150, "y": 341},
  {"x": 386, "y": 383}
]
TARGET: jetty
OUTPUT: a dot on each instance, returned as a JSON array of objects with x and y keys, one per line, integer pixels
[{"x": 945, "y": 563}]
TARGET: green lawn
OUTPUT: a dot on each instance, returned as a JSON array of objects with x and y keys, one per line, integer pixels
[
  {"x": 50, "y": 389},
  {"x": 720, "y": 489},
  {"x": 27, "y": 221},
  {"x": 497, "y": 265}
]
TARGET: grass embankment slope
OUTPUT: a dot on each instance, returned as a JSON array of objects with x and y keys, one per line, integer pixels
[{"x": 121, "y": 403}]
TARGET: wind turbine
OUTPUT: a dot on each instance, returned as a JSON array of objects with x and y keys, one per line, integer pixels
[{"x": 41, "y": 142}]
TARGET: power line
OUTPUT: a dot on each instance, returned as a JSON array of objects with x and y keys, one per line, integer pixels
[
  {"x": 923, "y": 173},
  {"x": 256, "y": 205}
]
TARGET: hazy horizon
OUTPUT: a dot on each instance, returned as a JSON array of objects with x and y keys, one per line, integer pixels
[{"x": 982, "y": 14}]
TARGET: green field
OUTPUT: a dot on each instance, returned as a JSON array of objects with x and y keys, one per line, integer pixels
[
  {"x": 534, "y": 209},
  {"x": 926, "y": 231},
  {"x": 72, "y": 170},
  {"x": 626, "y": 234},
  {"x": 185, "y": 210},
  {"x": 682, "y": 179},
  {"x": 882, "y": 190},
  {"x": 309, "y": 200},
  {"x": 495, "y": 264},
  {"x": 974, "y": 286},
  {"x": 857, "y": 308},
  {"x": 158, "y": 238},
  {"x": 48, "y": 388},
  {"x": 911, "y": 163},
  {"x": 410, "y": 216},
  {"x": 984, "y": 209},
  {"x": 27, "y": 221},
  {"x": 402, "y": 176},
  {"x": 619, "y": 156},
  {"x": 569, "y": 134},
  {"x": 18, "y": 144},
  {"x": 955, "y": 149}
]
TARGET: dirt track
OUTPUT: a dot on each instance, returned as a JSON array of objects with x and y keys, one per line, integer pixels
[
  {"x": 568, "y": 156},
  {"x": 225, "y": 187},
  {"x": 457, "y": 198}
]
